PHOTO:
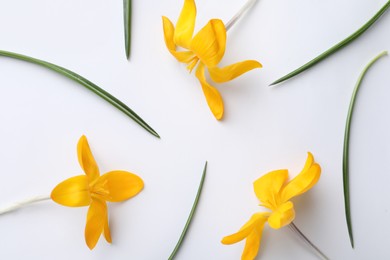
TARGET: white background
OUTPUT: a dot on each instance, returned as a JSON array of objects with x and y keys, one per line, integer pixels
[{"x": 43, "y": 114}]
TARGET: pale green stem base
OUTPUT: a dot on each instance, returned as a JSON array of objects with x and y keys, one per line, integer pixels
[
  {"x": 23, "y": 203},
  {"x": 239, "y": 14}
]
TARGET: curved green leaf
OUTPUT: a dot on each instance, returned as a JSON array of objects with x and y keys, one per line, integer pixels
[
  {"x": 184, "y": 232},
  {"x": 86, "y": 83},
  {"x": 346, "y": 146},
  {"x": 336, "y": 47}
]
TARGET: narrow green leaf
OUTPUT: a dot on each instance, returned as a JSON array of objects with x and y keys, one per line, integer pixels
[
  {"x": 127, "y": 21},
  {"x": 336, "y": 47},
  {"x": 346, "y": 146},
  {"x": 86, "y": 83},
  {"x": 190, "y": 216}
]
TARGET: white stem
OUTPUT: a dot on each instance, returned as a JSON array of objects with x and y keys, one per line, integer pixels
[
  {"x": 22, "y": 203},
  {"x": 307, "y": 241},
  {"x": 238, "y": 15}
]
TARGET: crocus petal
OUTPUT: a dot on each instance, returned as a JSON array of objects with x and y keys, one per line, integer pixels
[
  {"x": 96, "y": 219},
  {"x": 309, "y": 162},
  {"x": 252, "y": 244},
  {"x": 86, "y": 160},
  {"x": 267, "y": 188},
  {"x": 210, "y": 42},
  {"x": 282, "y": 216},
  {"x": 213, "y": 98},
  {"x": 304, "y": 181},
  {"x": 106, "y": 229},
  {"x": 186, "y": 24},
  {"x": 73, "y": 192},
  {"x": 232, "y": 71},
  {"x": 181, "y": 56},
  {"x": 117, "y": 186},
  {"x": 256, "y": 220}
]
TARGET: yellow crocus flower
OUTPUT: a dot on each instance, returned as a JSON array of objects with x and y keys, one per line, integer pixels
[
  {"x": 93, "y": 190},
  {"x": 206, "y": 48},
  {"x": 274, "y": 193}
]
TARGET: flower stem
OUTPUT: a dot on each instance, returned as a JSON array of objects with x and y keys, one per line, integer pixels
[
  {"x": 238, "y": 15},
  {"x": 307, "y": 241},
  {"x": 22, "y": 203},
  {"x": 346, "y": 146},
  {"x": 336, "y": 47}
]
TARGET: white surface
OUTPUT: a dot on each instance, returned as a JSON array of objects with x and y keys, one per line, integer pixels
[{"x": 43, "y": 114}]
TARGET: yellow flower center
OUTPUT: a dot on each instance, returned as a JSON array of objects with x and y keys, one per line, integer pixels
[
  {"x": 192, "y": 63},
  {"x": 99, "y": 190}
]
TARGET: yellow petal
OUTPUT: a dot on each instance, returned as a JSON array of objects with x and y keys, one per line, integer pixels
[
  {"x": 232, "y": 71},
  {"x": 283, "y": 216},
  {"x": 309, "y": 161},
  {"x": 210, "y": 42},
  {"x": 267, "y": 188},
  {"x": 181, "y": 56},
  {"x": 117, "y": 186},
  {"x": 213, "y": 98},
  {"x": 185, "y": 25},
  {"x": 304, "y": 181},
  {"x": 252, "y": 244},
  {"x": 255, "y": 221},
  {"x": 73, "y": 192},
  {"x": 96, "y": 220},
  {"x": 86, "y": 160},
  {"x": 106, "y": 230}
]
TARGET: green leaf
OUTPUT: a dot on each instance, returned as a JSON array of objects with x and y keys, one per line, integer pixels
[
  {"x": 190, "y": 216},
  {"x": 127, "y": 21},
  {"x": 86, "y": 83},
  {"x": 346, "y": 146},
  {"x": 336, "y": 47}
]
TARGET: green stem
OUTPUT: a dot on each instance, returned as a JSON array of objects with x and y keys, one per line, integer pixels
[
  {"x": 190, "y": 216},
  {"x": 346, "y": 146},
  {"x": 86, "y": 83},
  {"x": 336, "y": 47},
  {"x": 127, "y": 22},
  {"x": 296, "y": 230}
]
